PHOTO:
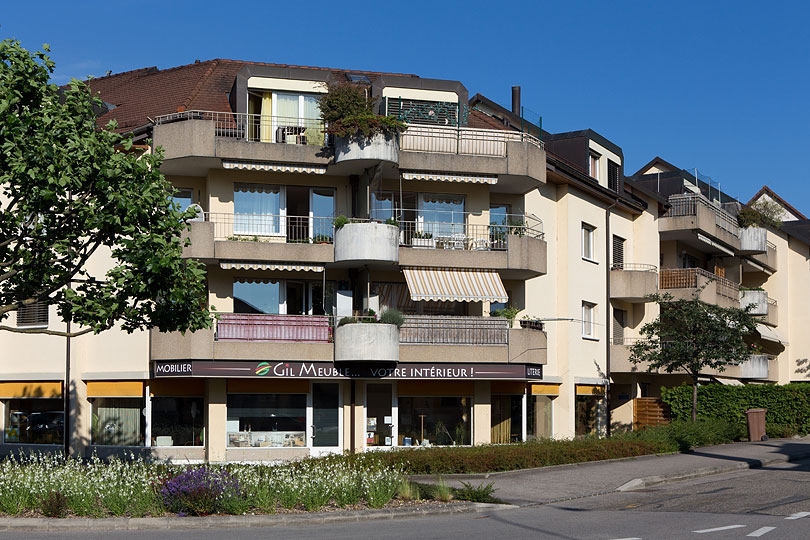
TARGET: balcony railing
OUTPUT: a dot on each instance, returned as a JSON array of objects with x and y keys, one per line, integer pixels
[
  {"x": 634, "y": 267},
  {"x": 688, "y": 204},
  {"x": 687, "y": 278},
  {"x": 279, "y": 328},
  {"x": 269, "y": 228},
  {"x": 308, "y": 131},
  {"x": 462, "y": 140},
  {"x": 437, "y": 330}
]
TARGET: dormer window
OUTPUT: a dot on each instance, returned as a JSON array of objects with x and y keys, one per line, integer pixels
[{"x": 593, "y": 165}]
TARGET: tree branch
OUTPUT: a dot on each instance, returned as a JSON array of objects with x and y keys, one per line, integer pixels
[{"x": 45, "y": 331}]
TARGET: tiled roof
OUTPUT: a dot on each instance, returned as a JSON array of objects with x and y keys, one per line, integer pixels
[
  {"x": 148, "y": 92},
  {"x": 480, "y": 120}
]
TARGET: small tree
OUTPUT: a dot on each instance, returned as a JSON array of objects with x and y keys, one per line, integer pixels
[
  {"x": 70, "y": 190},
  {"x": 690, "y": 335}
]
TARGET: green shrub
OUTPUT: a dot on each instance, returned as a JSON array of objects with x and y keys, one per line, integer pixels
[
  {"x": 347, "y": 320},
  {"x": 408, "y": 491},
  {"x": 788, "y": 405},
  {"x": 682, "y": 435},
  {"x": 480, "y": 493},
  {"x": 348, "y": 111},
  {"x": 54, "y": 505},
  {"x": 442, "y": 492},
  {"x": 339, "y": 222},
  {"x": 392, "y": 316}
]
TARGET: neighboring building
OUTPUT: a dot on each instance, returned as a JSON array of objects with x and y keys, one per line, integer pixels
[{"x": 476, "y": 210}]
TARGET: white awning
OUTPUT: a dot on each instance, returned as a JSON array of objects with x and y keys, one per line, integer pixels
[
  {"x": 274, "y": 167},
  {"x": 445, "y": 285},
  {"x": 769, "y": 334},
  {"x": 440, "y": 177},
  {"x": 728, "y": 381},
  {"x": 708, "y": 241},
  {"x": 247, "y": 265}
]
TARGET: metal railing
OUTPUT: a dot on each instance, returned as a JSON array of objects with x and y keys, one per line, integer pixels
[
  {"x": 257, "y": 128},
  {"x": 687, "y": 278},
  {"x": 310, "y": 131},
  {"x": 272, "y": 228},
  {"x": 634, "y": 267},
  {"x": 770, "y": 245},
  {"x": 625, "y": 340},
  {"x": 462, "y": 140},
  {"x": 688, "y": 204},
  {"x": 280, "y": 328},
  {"x": 438, "y": 330}
]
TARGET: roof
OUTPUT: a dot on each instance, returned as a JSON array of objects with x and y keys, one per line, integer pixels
[
  {"x": 798, "y": 229},
  {"x": 144, "y": 93},
  {"x": 480, "y": 120},
  {"x": 657, "y": 160},
  {"x": 588, "y": 134},
  {"x": 765, "y": 190}
]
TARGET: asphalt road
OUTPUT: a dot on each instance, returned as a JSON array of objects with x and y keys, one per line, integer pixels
[{"x": 770, "y": 503}]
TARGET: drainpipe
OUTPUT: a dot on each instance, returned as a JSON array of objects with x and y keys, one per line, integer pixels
[{"x": 608, "y": 309}]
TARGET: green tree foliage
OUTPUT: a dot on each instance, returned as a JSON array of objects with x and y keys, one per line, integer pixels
[
  {"x": 70, "y": 190},
  {"x": 690, "y": 336},
  {"x": 348, "y": 111}
]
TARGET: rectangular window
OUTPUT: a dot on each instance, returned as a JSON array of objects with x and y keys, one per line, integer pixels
[
  {"x": 382, "y": 205},
  {"x": 257, "y": 210},
  {"x": 619, "y": 324},
  {"x": 442, "y": 216},
  {"x": 538, "y": 417},
  {"x": 587, "y": 241},
  {"x": 587, "y": 320},
  {"x": 118, "y": 421},
  {"x": 590, "y": 412},
  {"x": 34, "y": 421},
  {"x": 257, "y": 296},
  {"x": 33, "y": 315},
  {"x": 613, "y": 175},
  {"x": 177, "y": 421},
  {"x": 593, "y": 165},
  {"x": 267, "y": 420},
  {"x": 183, "y": 198},
  {"x": 444, "y": 421},
  {"x": 506, "y": 419},
  {"x": 618, "y": 252}
]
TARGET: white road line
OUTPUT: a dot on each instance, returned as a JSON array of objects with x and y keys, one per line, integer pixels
[
  {"x": 727, "y": 527},
  {"x": 761, "y": 531},
  {"x": 798, "y": 515},
  {"x": 634, "y": 538}
]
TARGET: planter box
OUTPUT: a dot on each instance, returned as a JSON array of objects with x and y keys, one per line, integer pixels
[
  {"x": 758, "y": 298},
  {"x": 423, "y": 243},
  {"x": 378, "y": 148},
  {"x": 367, "y": 243},
  {"x": 367, "y": 342}
]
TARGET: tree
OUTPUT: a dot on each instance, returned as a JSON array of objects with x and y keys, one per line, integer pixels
[
  {"x": 690, "y": 335},
  {"x": 70, "y": 190}
]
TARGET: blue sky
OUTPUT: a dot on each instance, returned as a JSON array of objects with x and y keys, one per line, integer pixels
[{"x": 721, "y": 86}]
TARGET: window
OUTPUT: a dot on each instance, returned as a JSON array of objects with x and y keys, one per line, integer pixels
[
  {"x": 590, "y": 410},
  {"x": 182, "y": 197},
  {"x": 613, "y": 176},
  {"x": 257, "y": 296},
  {"x": 506, "y": 419},
  {"x": 258, "y": 210},
  {"x": 593, "y": 165},
  {"x": 382, "y": 205},
  {"x": 619, "y": 324},
  {"x": 118, "y": 421},
  {"x": 587, "y": 320},
  {"x": 444, "y": 421},
  {"x": 538, "y": 417},
  {"x": 34, "y": 421},
  {"x": 284, "y": 117},
  {"x": 177, "y": 421},
  {"x": 441, "y": 215},
  {"x": 33, "y": 315},
  {"x": 267, "y": 420},
  {"x": 618, "y": 252},
  {"x": 587, "y": 241}
]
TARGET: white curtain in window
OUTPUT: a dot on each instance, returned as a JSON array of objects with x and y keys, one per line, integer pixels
[
  {"x": 118, "y": 422},
  {"x": 257, "y": 209},
  {"x": 287, "y": 109}
]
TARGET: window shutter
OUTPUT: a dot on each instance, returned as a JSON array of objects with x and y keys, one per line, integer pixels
[
  {"x": 619, "y": 319},
  {"x": 618, "y": 251},
  {"x": 35, "y": 314},
  {"x": 613, "y": 176}
]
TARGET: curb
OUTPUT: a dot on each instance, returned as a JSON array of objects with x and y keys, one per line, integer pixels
[
  {"x": 649, "y": 481},
  {"x": 231, "y": 522}
]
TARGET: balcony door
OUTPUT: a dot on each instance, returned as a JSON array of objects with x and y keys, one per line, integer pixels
[
  {"x": 380, "y": 415},
  {"x": 441, "y": 215},
  {"x": 326, "y": 426}
]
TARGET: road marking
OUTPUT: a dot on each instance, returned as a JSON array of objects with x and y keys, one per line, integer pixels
[
  {"x": 634, "y": 538},
  {"x": 727, "y": 527},
  {"x": 761, "y": 531},
  {"x": 798, "y": 515}
]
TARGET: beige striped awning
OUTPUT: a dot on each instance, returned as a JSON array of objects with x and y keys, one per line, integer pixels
[
  {"x": 441, "y": 177},
  {"x": 248, "y": 265},
  {"x": 457, "y": 285},
  {"x": 274, "y": 167}
]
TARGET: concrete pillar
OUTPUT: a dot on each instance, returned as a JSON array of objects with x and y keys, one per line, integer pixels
[
  {"x": 216, "y": 394},
  {"x": 81, "y": 415},
  {"x": 359, "y": 427},
  {"x": 346, "y": 411},
  {"x": 482, "y": 413}
]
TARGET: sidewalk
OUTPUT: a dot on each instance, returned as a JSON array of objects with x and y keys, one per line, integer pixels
[{"x": 553, "y": 484}]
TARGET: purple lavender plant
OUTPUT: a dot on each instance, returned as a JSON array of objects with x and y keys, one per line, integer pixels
[{"x": 198, "y": 491}]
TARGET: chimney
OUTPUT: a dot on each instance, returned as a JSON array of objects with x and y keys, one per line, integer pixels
[{"x": 516, "y": 100}]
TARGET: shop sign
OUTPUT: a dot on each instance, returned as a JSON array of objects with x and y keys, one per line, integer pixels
[{"x": 326, "y": 370}]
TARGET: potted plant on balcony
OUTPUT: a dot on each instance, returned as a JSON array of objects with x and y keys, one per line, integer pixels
[
  {"x": 359, "y": 133},
  {"x": 423, "y": 240},
  {"x": 509, "y": 313}
]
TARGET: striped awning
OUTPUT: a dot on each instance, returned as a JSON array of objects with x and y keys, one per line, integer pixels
[
  {"x": 458, "y": 285},
  {"x": 440, "y": 177},
  {"x": 769, "y": 334},
  {"x": 274, "y": 167},
  {"x": 247, "y": 265}
]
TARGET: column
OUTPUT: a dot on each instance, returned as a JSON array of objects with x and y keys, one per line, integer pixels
[
  {"x": 482, "y": 413},
  {"x": 216, "y": 394}
]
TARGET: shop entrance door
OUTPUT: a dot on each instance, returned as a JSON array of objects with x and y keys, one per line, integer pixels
[
  {"x": 380, "y": 428},
  {"x": 326, "y": 425}
]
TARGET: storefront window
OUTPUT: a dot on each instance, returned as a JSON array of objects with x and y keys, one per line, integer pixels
[
  {"x": 118, "y": 421},
  {"x": 507, "y": 419},
  {"x": 177, "y": 421},
  {"x": 267, "y": 420},
  {"x": 590, "y": 414},
  {"x": 441, "y": 421},
  {"x": 34, "y": 421},
  {"x": 538, "y": 417}
]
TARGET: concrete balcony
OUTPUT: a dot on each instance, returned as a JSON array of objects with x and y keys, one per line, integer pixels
[
  {"x": 753, "y": 240},
  {"x": 367, "y": 342},
  {"x": 772, "y": 317},
  {"x": 367, "y": 243},
  {"x": 758, "y": 300},
  {"x": 693, "y": 213},
  {"x": 620, "y": 357},
  {"x": 768, "y": 258},
  {"x": 756, "y": 367},
  {"x": 684, "y": 283},
  {"x": 633, "y": 282},
  {"x": 367, "y": 152}
]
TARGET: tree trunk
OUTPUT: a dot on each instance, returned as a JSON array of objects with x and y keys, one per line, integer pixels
[{"x": 694, "y": 399}]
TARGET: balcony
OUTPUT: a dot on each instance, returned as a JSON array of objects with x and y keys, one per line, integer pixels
[
  {"x": 772, "y": 317},
  {"x": 756, "y": 367},
  {"x": 366, "y": 342},
  {"x": 695, "y": 213},
  {"x": 768, "y": 258},
  {"x": 632, "y": 282},
  {"x": 683, "y": 284},
  {"x": 367, "y": 243},
  {"x": 753, "y": 240},
  {"x": 757, "y": 299},
  {"x": 620, "y": 356}
]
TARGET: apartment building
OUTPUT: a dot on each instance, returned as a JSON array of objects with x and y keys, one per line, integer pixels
[{"x": 473, "y": 209}]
